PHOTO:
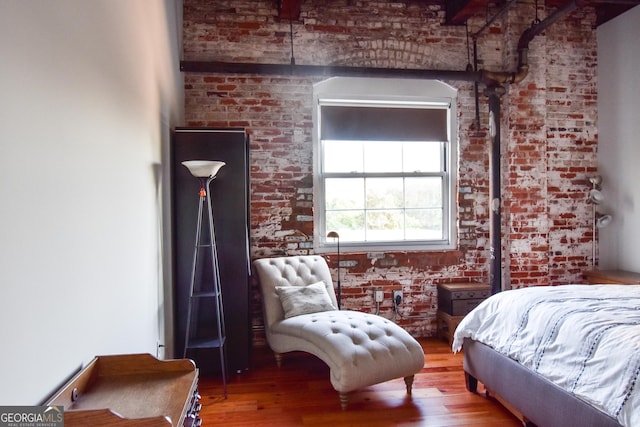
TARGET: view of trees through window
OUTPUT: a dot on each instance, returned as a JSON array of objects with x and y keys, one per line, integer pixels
[{"x": 384, "y": 191}]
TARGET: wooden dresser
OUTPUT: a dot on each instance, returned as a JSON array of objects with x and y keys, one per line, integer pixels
[
  {"x": 618, "y": 277},
  {"x": 131, "y": 390}
]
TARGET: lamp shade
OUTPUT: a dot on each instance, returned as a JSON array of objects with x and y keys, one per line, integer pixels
[
  {"x": 596, "y": 197},
  {"x": 603, "y": 220},
  {"x": 335, "y": 235},
  {"x": 203, "y": 168},
  {"x": 595, "y": 180}
]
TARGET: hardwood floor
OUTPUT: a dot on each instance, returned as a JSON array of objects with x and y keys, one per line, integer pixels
[{"x": 300, "y": 394}]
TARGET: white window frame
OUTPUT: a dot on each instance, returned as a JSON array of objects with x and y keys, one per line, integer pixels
[{"x": 387, "y": 92}]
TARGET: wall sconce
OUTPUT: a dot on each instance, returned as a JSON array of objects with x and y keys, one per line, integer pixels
[{"x": 334, "y": 235}]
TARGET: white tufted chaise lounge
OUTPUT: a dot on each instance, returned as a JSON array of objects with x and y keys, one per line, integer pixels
[{"x": 361, "y": 349}]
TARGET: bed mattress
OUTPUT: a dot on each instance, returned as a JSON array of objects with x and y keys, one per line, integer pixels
[{"x": 584, "y": 338}]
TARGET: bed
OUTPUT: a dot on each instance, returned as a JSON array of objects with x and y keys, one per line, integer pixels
[{"x": 560, "y": 356}]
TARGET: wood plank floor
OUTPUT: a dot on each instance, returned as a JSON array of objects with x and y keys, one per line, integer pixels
[{"x": 300, "y": 394}]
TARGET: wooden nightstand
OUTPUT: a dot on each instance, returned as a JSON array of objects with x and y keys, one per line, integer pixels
[
  {"x": 617, "y": 277},
  {"x": 447, "y": 325},
  {"x": 455, "y": 300}
]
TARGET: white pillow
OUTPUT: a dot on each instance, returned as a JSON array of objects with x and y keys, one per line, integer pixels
[{"x": 297, "y": 300}]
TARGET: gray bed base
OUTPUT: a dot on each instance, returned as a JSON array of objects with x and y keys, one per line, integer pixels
[{"x": 541, "y": 402}]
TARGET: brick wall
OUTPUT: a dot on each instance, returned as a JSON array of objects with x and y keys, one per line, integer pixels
[{"x": 549, "y": 136}]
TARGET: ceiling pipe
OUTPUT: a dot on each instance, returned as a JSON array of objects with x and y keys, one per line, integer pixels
[
  {"x": 559, "y": 13},
  {"x": 493, "y": 18},
  {"x": 324, "y": 70},
  {"x": 490, "y": 78},
  {"x": 475, "y": 36},
  {"x": 499, "y": 78},
  {"x": 494, "y": 91}
]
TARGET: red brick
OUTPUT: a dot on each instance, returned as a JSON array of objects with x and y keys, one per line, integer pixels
[{"x": 549, "y": 145}]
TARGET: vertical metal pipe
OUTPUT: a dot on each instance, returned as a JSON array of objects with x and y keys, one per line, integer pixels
[
  {"x": 594, "y": 265},
  {"x": 495, "y": 217},
  {"x": 475, "y": 84}
]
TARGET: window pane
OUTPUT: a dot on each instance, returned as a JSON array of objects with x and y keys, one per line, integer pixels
[
  {"x": 348, "y": 224},
  {"x": 343, "y": 156},
  {"x": 384, "y": 193},
  {"x": 385, "y": 225},
  {"x": 382, "y": 156},
  {"x": 423, "y": 156},
  {"x": 423, "y": 192},
  {"x": 424, "y": 224},
  {"x": 344, "y": 193}
]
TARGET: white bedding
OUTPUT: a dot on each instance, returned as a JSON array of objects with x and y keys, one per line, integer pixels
[{"x": 584, "y": 338}]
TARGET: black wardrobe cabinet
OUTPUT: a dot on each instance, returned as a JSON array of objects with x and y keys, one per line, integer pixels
[{"x": 230, "y": 205}]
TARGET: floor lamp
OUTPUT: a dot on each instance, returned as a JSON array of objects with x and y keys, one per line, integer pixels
[
  {"x": 334, "y": 235},
  {"x": 205, "y": 171},
  {"x": 599, "y": 220}
]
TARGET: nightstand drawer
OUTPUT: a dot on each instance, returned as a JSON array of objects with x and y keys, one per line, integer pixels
[
  {"x": 458, "y": 299},
  {"x": 470, "y": 294},
  {"x": 461, "y": 307}
]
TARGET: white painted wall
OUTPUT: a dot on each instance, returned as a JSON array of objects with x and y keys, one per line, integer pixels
[
  {"x": 89, "y": 93},
  {"x": 619, "y": 139}
]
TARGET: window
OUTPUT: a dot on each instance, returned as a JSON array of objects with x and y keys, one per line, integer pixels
[{"x": 384, "y": 162}]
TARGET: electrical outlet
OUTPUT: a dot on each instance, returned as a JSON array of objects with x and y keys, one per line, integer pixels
[
  {"x": 379, "y": 295},
  {"x": 397, "y": 297}
]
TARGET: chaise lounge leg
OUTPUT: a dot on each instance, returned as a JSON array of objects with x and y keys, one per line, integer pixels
[
  {"x": 278, "y": 357},
  {"x": 409, "y": 382},
  {"x": 344, "y": 400}
]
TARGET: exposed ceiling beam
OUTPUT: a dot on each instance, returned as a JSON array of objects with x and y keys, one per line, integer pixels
[
  {"x": 289, "y": 9},
  {"x": 607, "y": 12},
  {"x": 458, "y": 11}
]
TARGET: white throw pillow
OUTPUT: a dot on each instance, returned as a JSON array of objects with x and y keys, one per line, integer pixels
[{"x": 297, "y": 300}]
